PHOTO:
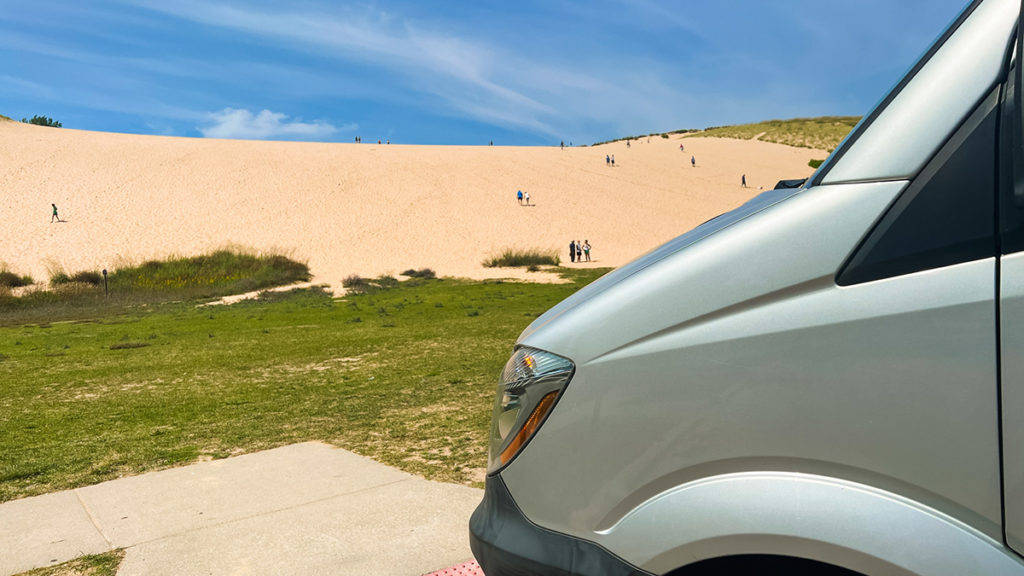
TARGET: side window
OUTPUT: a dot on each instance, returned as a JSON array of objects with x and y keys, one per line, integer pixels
[
  {"x": 947, "y": 213},
  {"x": 1011, "y": 203}
]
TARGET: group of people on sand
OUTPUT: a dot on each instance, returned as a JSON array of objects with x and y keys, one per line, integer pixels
[
  {"x": 579, "y": 250},
  {"x": 523, "y": 197},
  {"x": 609, "y": 160}
]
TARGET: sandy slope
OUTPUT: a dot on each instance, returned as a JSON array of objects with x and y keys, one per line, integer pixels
[{"x": 358, "y": 208}]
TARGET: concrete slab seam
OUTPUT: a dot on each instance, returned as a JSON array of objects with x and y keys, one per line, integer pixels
[
  {"x": 264, "y": 513},
  {"x": 94, "y": 520}
]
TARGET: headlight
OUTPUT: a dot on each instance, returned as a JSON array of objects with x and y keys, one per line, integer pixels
[{"x": 529, "y": 386}]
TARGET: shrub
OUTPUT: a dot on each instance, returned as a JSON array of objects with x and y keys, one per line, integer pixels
[
  {"x": 58, "y": 278},
  {"x": 84, "y": 277},
  {"x": 94, "y": 278},
  {"x": 526, "y": 257},
  {"x": 665, "y": 136},
  {"x": 386, "y": 281},
  {"x": 815, "y": 163},
  {"x": 9, "y": 279},
  {"x": 359, "y": 285},
  {"x": 425, "y": 273},
  {"x": 354, "y": 281}
]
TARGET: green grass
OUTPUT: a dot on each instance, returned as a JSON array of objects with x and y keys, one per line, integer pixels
[
  {"x": 404, "y": 375},
  {"x": 105, "y": 564},
  {"x": 81, "y": 295},
  {"x": 823, "y": 133},
  {"x": 523, "y": 257}
]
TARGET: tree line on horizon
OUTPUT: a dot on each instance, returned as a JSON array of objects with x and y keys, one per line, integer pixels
[{"x": 43, "y": 121}]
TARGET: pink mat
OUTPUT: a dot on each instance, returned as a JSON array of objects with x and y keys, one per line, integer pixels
[{"x": 464, "y": 569}]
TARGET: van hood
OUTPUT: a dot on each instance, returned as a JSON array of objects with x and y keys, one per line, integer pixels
[{"x": 604, "y": 283}]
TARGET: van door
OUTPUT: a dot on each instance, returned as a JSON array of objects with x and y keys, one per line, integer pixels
[{"x": 1011, "y": 299}]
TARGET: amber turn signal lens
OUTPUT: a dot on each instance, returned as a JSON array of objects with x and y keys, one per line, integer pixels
[{"x": 531, "y": 425}]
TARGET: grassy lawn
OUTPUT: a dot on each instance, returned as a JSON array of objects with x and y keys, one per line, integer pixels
[{"x": 404, "y": 375}]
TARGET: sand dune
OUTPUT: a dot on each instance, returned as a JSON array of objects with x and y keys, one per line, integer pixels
[{"x": 363, "y": 209}]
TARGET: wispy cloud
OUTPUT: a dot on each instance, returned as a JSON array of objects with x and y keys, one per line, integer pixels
[
  {"x": 16, "y": 84},
  {"x": 266, "y": 125},
  {"x": 464, "y": 74}
]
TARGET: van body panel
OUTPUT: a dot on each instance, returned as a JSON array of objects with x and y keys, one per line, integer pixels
[
  {"x": 1012, "y": 341},
  {"x": 814, "y": 230},
  {"x": 910, "y": 407},
  {"x": 713, "y": 226},
  {"x": 846, "y": 524},
  {"x": 919, "y": 119}
]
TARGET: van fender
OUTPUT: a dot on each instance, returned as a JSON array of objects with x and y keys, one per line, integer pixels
[{"x": 826, "y": 519}]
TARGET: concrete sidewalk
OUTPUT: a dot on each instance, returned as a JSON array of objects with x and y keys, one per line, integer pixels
[{"x": 301, "y": 509}]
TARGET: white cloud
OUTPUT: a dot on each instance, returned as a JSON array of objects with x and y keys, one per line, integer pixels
[{"x": 267, "y": 125}]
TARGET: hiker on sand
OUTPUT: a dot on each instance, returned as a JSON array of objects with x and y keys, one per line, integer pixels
[
  {"x": 586, "y": 249},
  {"x": 693, "y": 161},
  {"x": 613, "y": 160},
  {"x": 519, "y": 196},
  {"x": 526, "y": 196},
  {"x": 572, "y": 250},
  {"x": 743, "y": 180},
  {"x": 579, "y": 251},
  {"x": 607, "y": 160},
  {"x": 54, "y": 217}
]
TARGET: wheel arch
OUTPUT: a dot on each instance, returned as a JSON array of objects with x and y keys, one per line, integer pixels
[{"x": 826, "y": 520}]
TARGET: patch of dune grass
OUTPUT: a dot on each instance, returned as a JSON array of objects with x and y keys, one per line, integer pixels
[
  {"x": 823, "y": 133},
  {"x": 214, "y": 274},
  {"x": 82, "y": 294},
  {"x": 515, "y": 257},
  {"x": 405, "y": 376}
]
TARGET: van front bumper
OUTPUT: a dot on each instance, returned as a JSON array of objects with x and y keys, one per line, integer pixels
[{"x": 506, "y": 543}]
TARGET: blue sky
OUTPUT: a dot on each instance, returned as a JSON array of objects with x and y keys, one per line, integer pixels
[{"x": 530, "y": 72}]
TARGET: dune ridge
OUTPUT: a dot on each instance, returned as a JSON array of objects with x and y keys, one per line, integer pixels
[{"x": 364, "y": 209}]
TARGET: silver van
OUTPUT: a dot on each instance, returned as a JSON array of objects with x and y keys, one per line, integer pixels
[{"x": 828, "y": 379}]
